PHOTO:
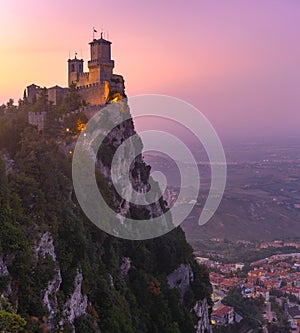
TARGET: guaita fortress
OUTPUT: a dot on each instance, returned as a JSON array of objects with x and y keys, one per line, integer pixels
[{"x": 94, "y": 86}]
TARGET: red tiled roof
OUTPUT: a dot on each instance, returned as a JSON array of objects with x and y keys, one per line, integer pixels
[{"x": 222, "y": 311}]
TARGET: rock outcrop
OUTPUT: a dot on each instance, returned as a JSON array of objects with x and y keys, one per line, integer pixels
[
  {"x": 202, "y": 311},
  {"x": 86, "y": 278},
  {"x": 76, "y": 305}
]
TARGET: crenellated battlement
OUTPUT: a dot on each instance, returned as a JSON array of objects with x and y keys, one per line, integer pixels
[
  {"x": 100, "y": 78},
  {"x": 83, "y": 77},
  {"x": 90, "y": 85},
  {"x": 94, "y": 86}
]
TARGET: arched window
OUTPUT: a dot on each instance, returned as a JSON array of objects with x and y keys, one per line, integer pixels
[{"x": 72, "y": 68}]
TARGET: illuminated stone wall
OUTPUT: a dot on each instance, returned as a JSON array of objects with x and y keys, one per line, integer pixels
[{"x": 95, "y": 94}]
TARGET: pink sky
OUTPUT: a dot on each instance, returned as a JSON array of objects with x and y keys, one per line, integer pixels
[{"x": 237, "y": 61}]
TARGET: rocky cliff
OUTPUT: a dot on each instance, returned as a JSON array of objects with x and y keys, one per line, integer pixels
[{"x": 61, "y": 273}]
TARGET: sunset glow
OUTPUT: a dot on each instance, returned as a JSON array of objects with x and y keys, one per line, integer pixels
[{"x": 238, "y": 62}]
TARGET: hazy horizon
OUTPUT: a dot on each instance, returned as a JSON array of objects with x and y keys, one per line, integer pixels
[{"x": 237, "y": 62}]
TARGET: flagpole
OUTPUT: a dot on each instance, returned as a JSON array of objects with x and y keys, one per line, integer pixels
[{"x": 94, "y": 30}]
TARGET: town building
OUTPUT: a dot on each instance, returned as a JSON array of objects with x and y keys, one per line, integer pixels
[{"x": 223, "y": 316}]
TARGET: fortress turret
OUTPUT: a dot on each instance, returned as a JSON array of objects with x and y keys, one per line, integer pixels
[
  {"x": 100, "y": 66},
  {"x": 96, "y": 85},
  {"x": 75, "y": 67}
]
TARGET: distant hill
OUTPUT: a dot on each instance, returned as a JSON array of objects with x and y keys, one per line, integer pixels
[
  {"x": 245, "y": 218},
  {"x": 262, "y": 196}
]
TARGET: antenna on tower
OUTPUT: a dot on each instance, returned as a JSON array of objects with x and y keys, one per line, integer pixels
[{"x": 101, "y": 33}]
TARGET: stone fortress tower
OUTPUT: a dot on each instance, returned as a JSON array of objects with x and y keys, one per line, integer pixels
[{"x": 95, "y": 85}]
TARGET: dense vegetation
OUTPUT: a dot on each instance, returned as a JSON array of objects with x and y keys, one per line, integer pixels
[{"x": 36, "y": 196}]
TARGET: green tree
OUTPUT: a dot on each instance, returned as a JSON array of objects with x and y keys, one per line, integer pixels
[
  {"x": 11, "y": 322},
  {"x": 71, "y": 101}
]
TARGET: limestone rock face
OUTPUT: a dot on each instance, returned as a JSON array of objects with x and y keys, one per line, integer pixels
[
  {"x": 125, "y": 266},
  {"x": 45, "y": 247},
  {"x": 129, "y": 158},
  {"x": 181, "y": 278},
  {"x": 9, "y": 163},
  {"x": 4, "y": 273},
  {"x": 76, "y": 305},
  {"x": 3, "y": 267},
  {"x": 201, "y": 310},
  {"x": 122, "y": 267},
  {"x": 50, "y": 294}
]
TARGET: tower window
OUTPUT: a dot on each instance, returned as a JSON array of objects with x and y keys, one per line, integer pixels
[{"x": 72, "y": 68}]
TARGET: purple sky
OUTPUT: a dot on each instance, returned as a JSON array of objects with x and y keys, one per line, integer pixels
[{"x": 237, "y": 61}]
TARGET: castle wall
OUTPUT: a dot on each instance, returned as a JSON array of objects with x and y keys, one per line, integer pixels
[
  {"x": 37, "y": 119},
  {"x": 94, "y": 75},
  {"x": 32, "y": 92},
  {"x": 93, "y": 86},
  {"x": 73, "y": 77},
  {"x": 99, "y": 72},
  {"x": 56, "y": 94},
  {"x": 95, "y": 94},
  {"x": 83, "y": 79},
  {"x": 106, "y": 70},
  {"x": 91, "y": 110}
]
